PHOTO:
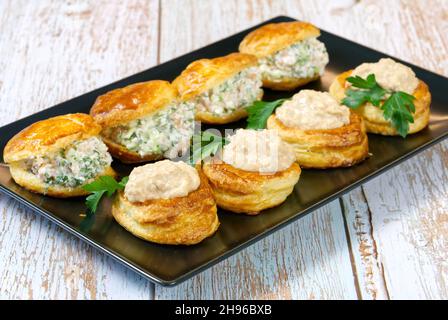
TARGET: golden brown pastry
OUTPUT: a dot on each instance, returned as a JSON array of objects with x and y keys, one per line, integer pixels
[
  {"x": 322, "y": 133},
  {"x": 58, "y": 156},
  {"x": 144, "y": 122},
  {"x": 257, "y": 172},
  {"x": 392, "y": 76},
  {"x": 289, "y": 54},
  {"x": 221, "y": 88},
  {"x": 168, "y": 203}
]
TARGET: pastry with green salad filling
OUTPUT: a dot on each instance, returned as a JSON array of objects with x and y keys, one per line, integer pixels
[
  {"x": 289, "y": 54},
  {"x": 58, "y": 156},
  {"x": 144, "y": 122},
  {"x": 220, "y": 89}
]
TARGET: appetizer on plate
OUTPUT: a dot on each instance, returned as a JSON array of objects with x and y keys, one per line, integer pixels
[
  {"x": 58, "y": 156},
  {"x": 221, "y": 88},
  {"x": 257, "y": 172},
  {"x": 289, "y": 54},
  {"x": 387, "y": 94},
  {"x": 144, "y": 122},
  {"x": 323, "y": 133},
  {"x": 167, "y": 202}
]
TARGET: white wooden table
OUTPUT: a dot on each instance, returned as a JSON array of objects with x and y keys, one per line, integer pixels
[{"x": 386, "y": 239}]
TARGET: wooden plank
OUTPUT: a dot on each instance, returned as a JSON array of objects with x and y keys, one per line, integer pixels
[
  {"x": 368, "y": 267},
  {"x": 307, "y": 260},
  {"x": 409, "y": 224},
  {"x": 52, "y": 51},
  {"x": 398, "y": 222}
]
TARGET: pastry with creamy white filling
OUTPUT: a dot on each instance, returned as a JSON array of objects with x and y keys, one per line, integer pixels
[
  {"x": 323, "y": 133},
  {"x": 257, "y": 171},
  {"x": 392, "y": 115},
  {"x": 167, "y": 202}
]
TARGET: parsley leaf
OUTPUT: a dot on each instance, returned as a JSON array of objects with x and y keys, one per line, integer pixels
[
  {"x": 93, "y": 199},
  {"x": 259, "y": 113},
  {"x": 371, "y": 92},
  {"x": 398, "y": 108},
  {"x": 205, "y": 145},
  {"x": 102, "y": 185}
]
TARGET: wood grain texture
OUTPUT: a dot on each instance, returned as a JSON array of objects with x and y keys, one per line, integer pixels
[
  {"x": 51, "y": 51},
  {"x": 409, "y": 224},
  {"x": 390, "y": 239}
]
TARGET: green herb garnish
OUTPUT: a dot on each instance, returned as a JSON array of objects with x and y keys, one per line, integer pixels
[
  {"x": 205, "y": 145},
  {"x": 259, "y": 113},
  {"x": 102, "y": 185},
  {"x": 398, "y": 108}
]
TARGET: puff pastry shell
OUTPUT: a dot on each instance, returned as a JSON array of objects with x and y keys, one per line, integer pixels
[
  {"x": 47, "y": 137},
  {"x": 373, "y": 116},
  {"x": 249, "y": 192},
  {"x": 183, "y": 220},
  {"x": 326, "y": 148}
]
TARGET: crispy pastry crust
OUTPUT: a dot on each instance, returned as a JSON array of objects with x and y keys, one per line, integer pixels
[
  {"x": 204, "y": 74},
  {"x": 249, "y": 192},
  {"x": 32, "y": 183},
  {"x": 373, "y": 116},
  {"x": 274, "y": 37},
  {"x": 132, "y": 102},
  {"x": 184, "y": 220},
  {"x": 329, "y": 148},
  {"x": 48, "y": 135}
]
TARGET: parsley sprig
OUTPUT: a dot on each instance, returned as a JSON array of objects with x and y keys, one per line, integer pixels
[
  {"x": 398, "y": 107},
  {"x": 206, "y": 144},
  {"x": 259, "y": 113},
  {"x": 102, "y": 185}
]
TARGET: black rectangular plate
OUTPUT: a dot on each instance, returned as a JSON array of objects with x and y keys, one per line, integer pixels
[{"x": 169, "y": 265}]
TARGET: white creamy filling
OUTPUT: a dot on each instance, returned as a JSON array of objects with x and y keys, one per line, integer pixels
[
  {"x": 304, "y": 59},
  {"x": 235, "y": 93},
  {"x": 73, "y": 166},
  {"x": 166, "y": 132},
  {"x": 161, "y": 180},
  {"x": 311, "y": 109},
  {"x": 258, "y": 151},
  {"x": 389, "y": 74}
]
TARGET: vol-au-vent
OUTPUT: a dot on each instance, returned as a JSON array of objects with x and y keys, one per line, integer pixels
[
  {"x": 289, "y": 54},
  {"x": 167, "y": 202},
  {"x": 221, "y": 88},
  {"x": 387, "y": 94},
  {"x": 144, "y": 122},
  {"x": 258, "y": 172},
  {"x": 322, "y": 133},
  {"x": 58, "y": 156}
]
